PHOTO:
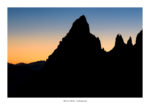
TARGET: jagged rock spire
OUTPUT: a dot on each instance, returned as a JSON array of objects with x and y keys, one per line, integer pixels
[
  {"x": 129, "y": 42},
  {"x": 80, "y": 25},
  {"x": 78, "y": 41},
  {"x": 119, "y": 40}
]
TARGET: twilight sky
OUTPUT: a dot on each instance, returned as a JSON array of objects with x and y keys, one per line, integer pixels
[{"x": 34, "y": 33}]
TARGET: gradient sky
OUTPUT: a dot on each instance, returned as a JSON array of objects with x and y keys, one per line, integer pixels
[{"x": 34, "y": 33}]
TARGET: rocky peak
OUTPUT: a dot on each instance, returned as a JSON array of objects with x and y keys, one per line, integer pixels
[
  {"x": 129, "y": 42},
  {"x": 78, "y": 41},
  {"x": 119, "y": 40},
  {"x": 80, "y": 26}
]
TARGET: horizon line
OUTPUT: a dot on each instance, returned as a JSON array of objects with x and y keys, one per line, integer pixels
[{"x": 61, "y": 40}]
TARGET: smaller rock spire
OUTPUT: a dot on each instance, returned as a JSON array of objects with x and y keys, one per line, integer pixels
[
  {"x": 129, "y": 42},
  {"x": 119, "y": 40}
]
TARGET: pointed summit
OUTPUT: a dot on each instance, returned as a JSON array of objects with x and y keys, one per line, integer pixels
[
  {"x": 129, "y": 42},
  {"x": 119, "y": 44},
  {"x": 119, "y": 40},
  {"x": 80, "y": 26},
  {"x": 82, "y": 18},
  {"x": 78, "y": 43}
]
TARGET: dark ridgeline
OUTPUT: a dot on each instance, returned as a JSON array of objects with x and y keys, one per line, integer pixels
[
  {"x": 79, "y": 67},
  {"x": 20, "y": 76}
]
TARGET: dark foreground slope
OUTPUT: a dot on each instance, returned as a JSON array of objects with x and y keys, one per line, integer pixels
[
  {"x": 79, "y": 67},
  {"x": 20, "y": 75}
]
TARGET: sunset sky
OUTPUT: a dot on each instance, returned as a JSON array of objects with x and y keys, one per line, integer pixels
[{"x": 34, "y": 33}]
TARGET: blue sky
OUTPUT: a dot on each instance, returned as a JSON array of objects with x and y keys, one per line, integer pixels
[
  {"x": 52, "y": 19},
  {"x": 54, "y": 23}
]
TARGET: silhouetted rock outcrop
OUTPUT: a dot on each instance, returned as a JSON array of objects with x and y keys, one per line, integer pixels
[
  {"x": 80, "y": 67},
  {"x": 119, "y": 41},
  {"x": 129, "y": 42},
  {"x": 78, "y": 44}
]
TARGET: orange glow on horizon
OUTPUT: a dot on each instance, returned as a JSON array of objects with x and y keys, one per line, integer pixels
[
  {"x": 25, "y": 50},
  {"x": 30, "y": 50}
]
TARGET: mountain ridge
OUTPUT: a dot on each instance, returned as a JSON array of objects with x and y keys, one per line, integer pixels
[{"x": 80, "y": 67}]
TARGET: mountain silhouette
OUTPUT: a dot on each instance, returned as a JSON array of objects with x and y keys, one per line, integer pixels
[
  {"x": 129, "y": 42},
  {"x": 80, "y": 67},
  {"x": 78, "y": 42},
  {"x": 20, "y": 75}
]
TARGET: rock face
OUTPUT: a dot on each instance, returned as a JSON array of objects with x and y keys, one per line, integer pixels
[
  {"x": 119, "y": 46},
  {"x": 80, "y": 26},
  {"x": 78, "y": 43},
  {"x": 129, "y": 42},
  {"x": 119, "y": 41},
  {"x": 79, "y": 67}
]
